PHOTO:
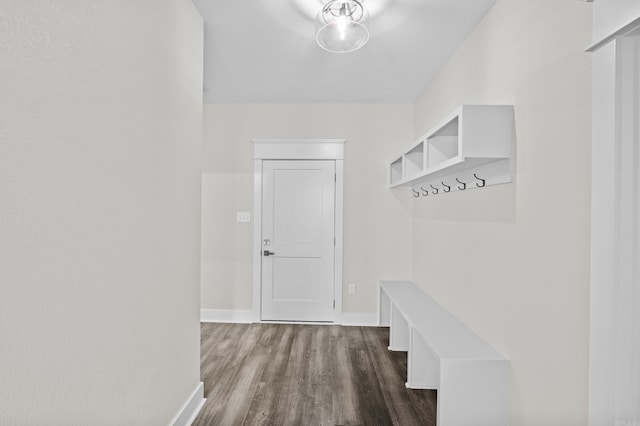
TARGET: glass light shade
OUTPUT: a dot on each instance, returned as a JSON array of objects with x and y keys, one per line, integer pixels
[
  {"x": 342, "y": 26},
  {"x": 342, "y": 38}
]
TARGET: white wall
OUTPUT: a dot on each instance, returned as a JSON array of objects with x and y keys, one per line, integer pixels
[
  {"x": 377, "y": 222},
  {"x": 512, "y": 261},
  {"x": 100, "y": 137},
  {"x": 611, "y": 15}
]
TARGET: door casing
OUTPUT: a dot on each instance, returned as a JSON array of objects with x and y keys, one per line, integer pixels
[
  {"x": 615, "y": 230},
  {"x": 296, "y": 149}
]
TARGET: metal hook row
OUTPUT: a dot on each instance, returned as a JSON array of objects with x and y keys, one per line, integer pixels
[{"x": 447, "y": 188}]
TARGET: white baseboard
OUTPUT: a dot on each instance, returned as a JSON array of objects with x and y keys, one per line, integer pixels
[
  {"x": 190, "y": 408},
  {"x": 224, "y": 315},
  {"x": 363, "y": 319}
]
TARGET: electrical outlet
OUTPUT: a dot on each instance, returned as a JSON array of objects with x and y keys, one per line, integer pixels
[
  {"x": 352, "y": 289},
  {"x": 243, "y": 217}
]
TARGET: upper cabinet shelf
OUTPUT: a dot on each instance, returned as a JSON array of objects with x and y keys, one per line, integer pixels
[{"x": 472, "y": 137}]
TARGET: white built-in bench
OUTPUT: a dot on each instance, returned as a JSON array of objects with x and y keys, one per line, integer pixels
[{"x": 471, "y": 377}]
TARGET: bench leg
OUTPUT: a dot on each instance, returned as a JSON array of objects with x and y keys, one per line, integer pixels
[
  {"x": 398, "y": 331},
  {"x": 423, "y": 366},
  {"x": 473, "y": 393},
  {"x": 385, "y": 309}
]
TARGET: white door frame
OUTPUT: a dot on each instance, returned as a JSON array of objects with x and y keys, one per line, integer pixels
[
  {"x": 296, "y": 149},
  {"x": 615, "y": 236}
]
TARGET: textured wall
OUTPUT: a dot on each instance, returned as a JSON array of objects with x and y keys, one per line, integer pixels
[
  {"x": 377, "y": 222},
  {"x": 512, "y": 261},
  {"x": 100, "y": 137}
]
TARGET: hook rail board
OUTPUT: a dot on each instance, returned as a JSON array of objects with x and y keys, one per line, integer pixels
[
  {"x": 495, "y": 173},
  {"x": 472, "y": 148}
]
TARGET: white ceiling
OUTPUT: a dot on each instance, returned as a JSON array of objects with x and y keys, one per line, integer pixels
[{"x": 265, "y": 50}]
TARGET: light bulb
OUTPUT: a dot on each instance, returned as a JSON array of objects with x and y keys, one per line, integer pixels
[{"x": 342, "y": 27}]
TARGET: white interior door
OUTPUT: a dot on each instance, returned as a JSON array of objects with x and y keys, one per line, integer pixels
[{"x": 298, "y": 244}]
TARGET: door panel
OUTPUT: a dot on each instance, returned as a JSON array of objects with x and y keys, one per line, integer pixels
[
  {"x": 298, "y": 212},
  {"x": 287, "y": 285}
]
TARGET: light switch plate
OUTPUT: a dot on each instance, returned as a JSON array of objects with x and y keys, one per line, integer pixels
[{"x": 243, "y": 217}]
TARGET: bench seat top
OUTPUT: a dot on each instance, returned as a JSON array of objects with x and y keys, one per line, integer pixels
[{"x": 446, "y": 335}]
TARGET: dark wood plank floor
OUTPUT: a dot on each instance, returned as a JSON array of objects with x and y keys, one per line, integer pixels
[{"x": 284, "y": 374}]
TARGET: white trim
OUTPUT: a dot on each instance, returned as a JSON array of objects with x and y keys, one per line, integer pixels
[
  {"x": 279, "y": 141},
  {"x": 297, "y": 149},
  {"x": 257, "y": 236},
  {"x": 297, "y": 322},
  {"x": 338, "y": 253},
  {"x": 624, "y": 30},
  {"x": 614, "y": 342},
  {"x": 226, "y": 315},
  {"x": 362, "y": 319},
  {"x": 190, "y": 408},
  {"x": 603, "y": 225},
  {"x": 241, "y": 316}
]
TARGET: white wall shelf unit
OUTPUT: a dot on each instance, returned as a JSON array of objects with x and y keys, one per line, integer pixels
[{"x": 471, "y": 148}]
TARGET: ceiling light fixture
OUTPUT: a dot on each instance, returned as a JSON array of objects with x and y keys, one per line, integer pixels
[{"x": 342, "y": 26}]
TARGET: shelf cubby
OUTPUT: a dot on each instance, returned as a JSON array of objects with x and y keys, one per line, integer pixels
[
  {"x": 396, "y": 173},
  {"x": 414, "y": 161},
  {"x": 441, "y": 149}
]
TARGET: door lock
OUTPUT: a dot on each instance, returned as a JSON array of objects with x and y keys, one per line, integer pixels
[{"x": 268, "y": 253}]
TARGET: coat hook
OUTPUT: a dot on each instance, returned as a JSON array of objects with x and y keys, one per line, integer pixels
[
  {"x": 424, "y": 191},
  {"x": 435, "y": 190},
  {"x": 415, "y": 193},
  {"x": 446, "y": 186},
  {"x": 477, "y": 184},
  {"x": 464, "y": 185}
]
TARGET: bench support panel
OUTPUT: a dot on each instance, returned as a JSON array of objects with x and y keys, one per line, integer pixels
[
  {"x": 423, "y": 366},
  {"x": 398, "y": 332},
  {"x": 473, "y": 393},
  {"x": 385, "y": 309}
]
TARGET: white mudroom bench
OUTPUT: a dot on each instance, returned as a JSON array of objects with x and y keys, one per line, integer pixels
[{"x": 470, "y": 376}]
